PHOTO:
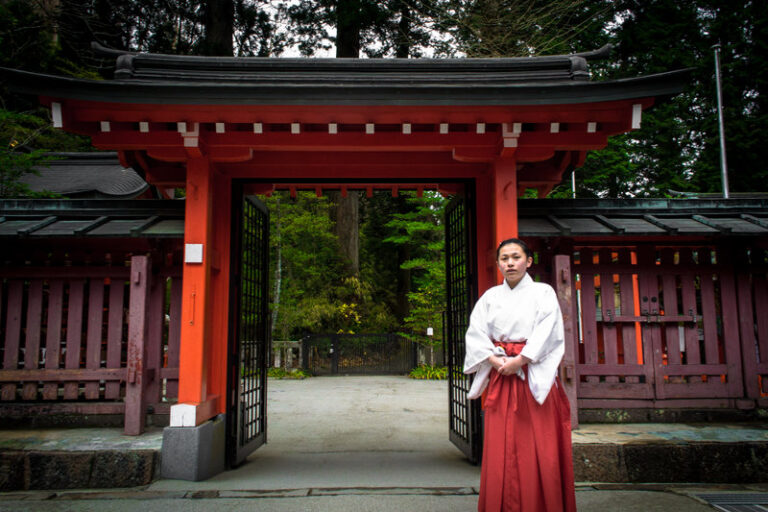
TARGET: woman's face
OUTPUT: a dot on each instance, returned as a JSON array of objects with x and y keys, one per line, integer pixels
[{"x": 513, "y": 263}]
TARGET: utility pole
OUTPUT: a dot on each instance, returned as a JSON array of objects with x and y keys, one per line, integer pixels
[{"x": 721, "y": 126}]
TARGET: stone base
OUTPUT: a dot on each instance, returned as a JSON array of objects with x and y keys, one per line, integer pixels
[{"x": 194, "y": 453}]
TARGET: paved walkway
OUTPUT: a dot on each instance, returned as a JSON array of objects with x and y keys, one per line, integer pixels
[{"x": 364, "y": 443}]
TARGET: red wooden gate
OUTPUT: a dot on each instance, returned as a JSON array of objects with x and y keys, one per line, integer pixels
[{"x": 657, "y": 324}]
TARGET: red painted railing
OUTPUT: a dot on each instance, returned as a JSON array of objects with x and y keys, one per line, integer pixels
[
  {"x": 90, "y": 339},
  {"x": 665, "y": 327}
]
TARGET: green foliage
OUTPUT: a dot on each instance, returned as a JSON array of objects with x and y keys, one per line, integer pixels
[
  {"x": 420, "y": 232},
  {"x": 280, "y": 373},
  {"x": 427, "y": 372}
]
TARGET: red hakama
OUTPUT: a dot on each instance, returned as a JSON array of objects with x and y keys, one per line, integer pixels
[{"x": 527, "y": 461}]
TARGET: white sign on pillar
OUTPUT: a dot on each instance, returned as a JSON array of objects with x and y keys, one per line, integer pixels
[{"x": 193, "y": 253}]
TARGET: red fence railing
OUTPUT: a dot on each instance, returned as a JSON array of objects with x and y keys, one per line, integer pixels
[{"x": 90, "y": 339}]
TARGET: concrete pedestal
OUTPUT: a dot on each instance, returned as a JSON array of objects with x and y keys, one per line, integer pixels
[{"x": 194, "y": 453}]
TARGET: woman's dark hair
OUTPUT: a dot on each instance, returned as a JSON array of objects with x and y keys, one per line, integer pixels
[{"x": 527, "y": 250}]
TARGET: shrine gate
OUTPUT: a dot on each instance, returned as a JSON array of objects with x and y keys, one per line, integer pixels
[{"x": 482, "y": 130}]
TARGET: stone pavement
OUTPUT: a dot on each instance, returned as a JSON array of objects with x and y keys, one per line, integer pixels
[{"x": 374, "y": 443}]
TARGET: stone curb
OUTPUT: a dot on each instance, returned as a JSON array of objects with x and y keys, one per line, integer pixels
[
  {"x": 39, "y": 470},
  {"x": 706, "y": 462}
]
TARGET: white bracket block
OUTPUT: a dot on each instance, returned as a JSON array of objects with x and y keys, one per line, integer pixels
[
  {"x": 105, "y": 127},
  {"x": 406, "y": 128},
  {"x": 295, "y": 128},
  {"x": 193, "y": 253},
  {"x": 443, "y": 128},
  {"x": 554, "y": 127},
  {"x": 333, "y": 128},
  {"x": 370, "y": 128},
  {"x": 637, "y": 116},
  {"x": 183, "y": 415},
  {"x": 143, "y": 127},
  {"x": 219, "y": 127},
  {"x": 480, "y": 128},
  {"x": 591, "y": 127},
  {"x": 258, "y": 128},
  {"x": 56, "y": 115}
]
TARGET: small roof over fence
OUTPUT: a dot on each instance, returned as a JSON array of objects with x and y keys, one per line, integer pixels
[
  {"x": 538, "y": 218},
  {"x": 96, "y": 218},
  {"x": 643, "y": 217}
]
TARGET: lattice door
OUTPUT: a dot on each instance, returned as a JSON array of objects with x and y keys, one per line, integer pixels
[
  {"x": 249, "y": 331},
  {"x": 461, "y": 293}
]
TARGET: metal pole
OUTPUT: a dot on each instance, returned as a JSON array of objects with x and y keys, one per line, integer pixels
[{"x": 721, "y": 126}]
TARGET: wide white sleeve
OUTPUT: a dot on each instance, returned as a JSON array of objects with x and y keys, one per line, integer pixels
[
  {"x": 547, "y": 332},
  {"x": 546, "y": 346},
  {"x": 478, "y": 343}
]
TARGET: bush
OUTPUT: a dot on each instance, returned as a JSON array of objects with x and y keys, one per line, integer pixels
[
  {"x": 279, "y": 373},
  {"x": 426, "y": 372}
]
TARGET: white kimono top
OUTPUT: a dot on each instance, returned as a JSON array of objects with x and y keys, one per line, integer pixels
[{"x": 528, "y": 311}]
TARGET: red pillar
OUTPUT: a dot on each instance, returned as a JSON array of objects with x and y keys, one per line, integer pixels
[
  {"x": 219, "y": 305},
  {"x": 195, "y": 405},
  {"x": 504, "y": 198},
  {"x": 486, "y": 268}
]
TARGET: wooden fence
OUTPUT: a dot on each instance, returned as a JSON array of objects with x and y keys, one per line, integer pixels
[
  {"x": 90, "y": 340},
  {"x": 649, "y": 326}
]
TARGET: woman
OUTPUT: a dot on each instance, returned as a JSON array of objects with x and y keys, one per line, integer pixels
[{"x": 514, "y": 345}]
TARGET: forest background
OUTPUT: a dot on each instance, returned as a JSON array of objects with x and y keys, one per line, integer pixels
[{"x": 360, "y": 264}]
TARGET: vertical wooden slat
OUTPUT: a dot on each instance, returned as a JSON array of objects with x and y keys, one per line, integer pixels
[
  {"x": 731, "y": 337},
  {"x": 563, "y": 281},
  {"x": 74, "y": 334},
  {"x": 670, "y": 307},
  {"x": 761, "y": 307},
  {"x": 174, "y": 336},
  {"x": 114, "y": 334},
  {"x": 627, "y": 298},
  {"x": 94, "y": 335},
  {"x": 688, "y": 285},
  {"x": 589, "y": 315},
  {"x": 12, "y": 335},
  {"x": 709, "y": 313},
  {"x": 135, "y": 399},
  {"x": 747, "y": 325},
  {"x": 155, "y": 337},
  {"x": 32, "y": 337},
  {"x": 53, "y": 335},
  {"x": 607, "y": 294},
  {"x": 648, "y": 285}
]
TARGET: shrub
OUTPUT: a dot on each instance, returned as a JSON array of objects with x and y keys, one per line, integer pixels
[
  {"x": 427, "y": 372},
  {"x": 279, "y": 373}
]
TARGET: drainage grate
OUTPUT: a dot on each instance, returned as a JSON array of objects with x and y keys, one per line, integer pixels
[{"x": 739, "y": 502}]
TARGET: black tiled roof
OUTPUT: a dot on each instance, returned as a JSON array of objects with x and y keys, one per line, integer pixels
[
  {"x": 642, "y": 217},
  {"x": 537, "y": 218},
  {"x": 192, "y": 80},
  {"x": 87, "y": 175},
  {"x": 97, "y": 218}
]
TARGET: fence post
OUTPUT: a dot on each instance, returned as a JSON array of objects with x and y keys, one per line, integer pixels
[
  {"x": 135, "y": 392},
  {"x": 563, "y": 282}
]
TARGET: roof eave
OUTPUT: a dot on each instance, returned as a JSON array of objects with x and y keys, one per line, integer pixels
[{"x": 307, "y": 92}]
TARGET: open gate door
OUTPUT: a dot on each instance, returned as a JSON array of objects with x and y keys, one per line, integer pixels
[
  {"x": 249, "y": 329},
  {"x": 461, "y": 294}
]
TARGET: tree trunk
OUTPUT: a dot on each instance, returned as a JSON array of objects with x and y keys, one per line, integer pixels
[
  {"x": 348, "y": 28},
  {"x": 219, "y": 23},
  {"x": 403, "y": 36},
  {"x": 348, "y": 230},
  {"x": 348, "y": 208}
]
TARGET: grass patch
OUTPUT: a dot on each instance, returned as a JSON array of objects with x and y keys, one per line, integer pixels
[{"x": 427, "y": 372}]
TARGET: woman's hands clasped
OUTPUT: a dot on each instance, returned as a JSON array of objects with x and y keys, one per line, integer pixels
[{"x": 508, "y": 365}]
